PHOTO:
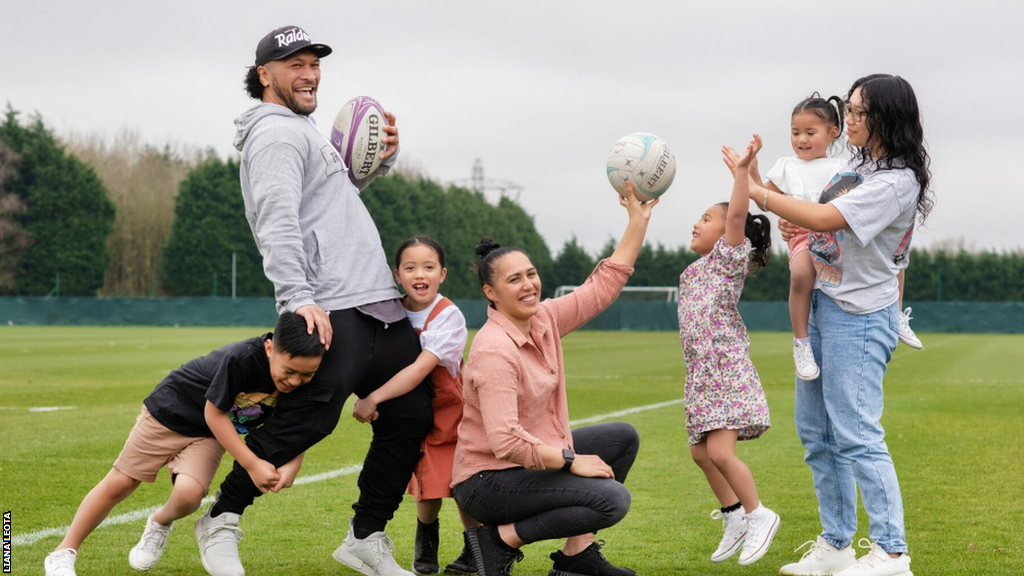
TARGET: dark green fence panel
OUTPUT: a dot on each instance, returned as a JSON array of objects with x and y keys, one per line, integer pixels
[{"x": 977, "y": 317}]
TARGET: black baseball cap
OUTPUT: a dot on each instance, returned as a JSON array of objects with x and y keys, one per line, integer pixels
[{"x": 285, "y": 41}]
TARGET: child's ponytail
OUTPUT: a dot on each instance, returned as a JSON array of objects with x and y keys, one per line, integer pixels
[{"x": 758, "y": 230}]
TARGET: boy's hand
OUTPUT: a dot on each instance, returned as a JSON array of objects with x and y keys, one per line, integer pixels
[
  {"x": 365, "y": 410},
  {"x": 264, "y": 475},
  {"x": 288, "y": 473}
]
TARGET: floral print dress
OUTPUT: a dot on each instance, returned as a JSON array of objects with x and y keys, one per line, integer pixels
[{"x": 723, "y": 390}]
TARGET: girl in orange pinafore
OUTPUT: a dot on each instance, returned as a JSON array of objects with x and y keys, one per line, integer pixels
[{"x": 419, "y": 268}]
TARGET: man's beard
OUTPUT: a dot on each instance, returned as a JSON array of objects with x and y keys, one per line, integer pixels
[{"x": 290, "y": 101}]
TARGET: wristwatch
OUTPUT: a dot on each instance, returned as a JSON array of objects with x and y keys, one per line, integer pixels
[{"x": 569, "y": 456}]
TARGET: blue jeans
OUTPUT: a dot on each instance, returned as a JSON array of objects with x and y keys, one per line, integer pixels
[
  {"x": 837, "y": 418},
  {"x": 547, "y": 504}
]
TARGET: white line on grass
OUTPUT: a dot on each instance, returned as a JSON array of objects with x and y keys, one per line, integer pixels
[
  {"x": 127, "y": 517},
  {"x": 38, "y": 408}
]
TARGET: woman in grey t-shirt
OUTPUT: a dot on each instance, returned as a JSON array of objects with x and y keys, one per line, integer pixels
[{"x": 861, "y": 229}]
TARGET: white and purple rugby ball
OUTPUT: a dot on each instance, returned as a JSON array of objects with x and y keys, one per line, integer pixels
[{"x": 358, "y": 135}]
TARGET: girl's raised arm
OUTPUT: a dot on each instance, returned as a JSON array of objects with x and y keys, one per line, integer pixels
[{"x": 736, "y": 217}]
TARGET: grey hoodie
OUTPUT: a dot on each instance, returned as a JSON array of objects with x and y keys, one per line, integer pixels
[{"x": 318, "y": 242}]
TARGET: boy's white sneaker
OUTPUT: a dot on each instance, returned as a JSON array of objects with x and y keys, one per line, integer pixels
[
  {"x": 734, "y": 526},
  {"x": 150, "y": 548},
  {"x": 877, "y": 562},
  {"x": 61, "y": 562},
  {"x": 907, "y": 335},
  {"x": 822, "y": 559},
  {"x": 373, "y": 555},
  {"x": 762, "y": 524},
  {"x": 218, "y": 540},
  {"x": 803, "y": 358}
]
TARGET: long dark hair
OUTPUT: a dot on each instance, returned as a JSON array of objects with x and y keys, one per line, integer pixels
[
  {"x": 830, "y": 110},
  {"x": 489, "y": 252},
  {"x": 757, "y": 229},
  {"x": 894, "y": 125}
]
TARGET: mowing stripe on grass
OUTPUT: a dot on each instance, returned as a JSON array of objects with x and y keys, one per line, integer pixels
[{"x": 127, "y": 517}]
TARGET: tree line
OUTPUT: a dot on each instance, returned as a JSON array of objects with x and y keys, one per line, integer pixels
[{"x": 81, "y": 217}]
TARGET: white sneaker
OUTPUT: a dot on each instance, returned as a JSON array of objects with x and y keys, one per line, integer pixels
[
  {"x": 822, "y": 559},
  {"x": 150, "y": 548},
  {"x": 735, "y": 527},
  {"x": 877, "y": 562},
  {"x": 61, "y": 562},
  {"x": 907, "y": 335},
  {"x": 803, "y": 357},
  {"x": 218, "y": 540},
  {"x": 373, "y": 555},
  {"x": 762, "y": 524}
]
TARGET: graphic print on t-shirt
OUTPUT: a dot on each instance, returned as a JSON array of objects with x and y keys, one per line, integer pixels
[
  {"x": 824, "y": 246},
  {"x": 251, "y": 409}
]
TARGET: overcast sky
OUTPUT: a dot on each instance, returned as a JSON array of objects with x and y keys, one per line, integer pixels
[{"x": 539, "y": 91}]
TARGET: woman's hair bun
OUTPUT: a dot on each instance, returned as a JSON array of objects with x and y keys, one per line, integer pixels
[{"x": 486, "y": 246}]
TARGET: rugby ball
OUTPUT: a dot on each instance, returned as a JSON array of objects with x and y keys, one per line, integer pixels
[
  {"x": 646, "y": 161},
  {"x": 358, "y": 135}
]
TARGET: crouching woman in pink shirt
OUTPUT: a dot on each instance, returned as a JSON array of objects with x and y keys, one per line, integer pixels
[{"x": 519, "y": 469}]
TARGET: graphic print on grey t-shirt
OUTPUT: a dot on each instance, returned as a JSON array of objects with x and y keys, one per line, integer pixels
[{"x": 824, "y": 246}]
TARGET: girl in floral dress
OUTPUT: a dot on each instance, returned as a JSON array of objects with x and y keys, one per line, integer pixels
[{"x": 724, "y": 399}]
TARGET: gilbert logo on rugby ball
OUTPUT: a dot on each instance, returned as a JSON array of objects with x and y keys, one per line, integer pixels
[{"x": 358, "y": 134}]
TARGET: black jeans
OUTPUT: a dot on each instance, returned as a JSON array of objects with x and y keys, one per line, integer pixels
[
  {"x": 365, "y": 353},
  {"x": 546, "y": 504}
]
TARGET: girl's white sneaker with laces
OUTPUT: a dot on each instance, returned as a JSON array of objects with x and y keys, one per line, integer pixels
[
  {"x": 821, "y": 559},
  {"x": 877, "y": 562},
  {"x": 60, "y": 562},
  {"x": 734, "y": 526},
  {"x": 762, "y": 524}
]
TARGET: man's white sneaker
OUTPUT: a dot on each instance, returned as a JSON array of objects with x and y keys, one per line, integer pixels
[
  {"x": 61, "y": 562},
  {"x": 734, "y": 526},
  {"x": 150, "y": 548},
  {"x": 877, "y": 562},
  {"x": 907, "y": 335},
  {"x": 373, "y": 555},
  {"x": 803, "y": 358},
  {"x": 218, "y": 540},
  {"x": 822, "y": 559},
  {"x": 762, "y": 524}
]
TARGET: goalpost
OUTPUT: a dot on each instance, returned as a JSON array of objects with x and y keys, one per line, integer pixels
[{"x": 648, "y": 293}]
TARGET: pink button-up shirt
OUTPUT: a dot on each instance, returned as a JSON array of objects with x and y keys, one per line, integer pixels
[{"x": 515, "y": 389}]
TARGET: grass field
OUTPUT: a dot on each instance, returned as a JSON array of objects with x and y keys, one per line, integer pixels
[{"x": 953, "y": 418}]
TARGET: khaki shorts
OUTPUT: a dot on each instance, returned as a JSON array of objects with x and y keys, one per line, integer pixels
[{"x": 151, "y": 446}]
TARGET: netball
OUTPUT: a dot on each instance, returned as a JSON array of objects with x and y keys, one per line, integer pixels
[{"x": 646, "y": 161}]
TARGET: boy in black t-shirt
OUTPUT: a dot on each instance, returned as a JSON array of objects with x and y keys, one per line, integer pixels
[{"x": 187, "y": 422}]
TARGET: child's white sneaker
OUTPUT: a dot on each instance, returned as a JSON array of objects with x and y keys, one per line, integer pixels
[
  {"x": 822, "y": 559},
  {"x": 877, "y": 562},
  {"x": 907, "y": 335},
  {"x": 803, "y": 358},
  {"x": 762, "y": 524},
  {"x": 61, "y": 562},
  {"x": 734, "y": 526},
  {"x": 150, "y": 548}
]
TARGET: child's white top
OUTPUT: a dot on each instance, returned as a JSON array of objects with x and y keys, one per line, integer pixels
[
  {"x": 804, "y": 179},
  {"x": 445, "y": 337}
]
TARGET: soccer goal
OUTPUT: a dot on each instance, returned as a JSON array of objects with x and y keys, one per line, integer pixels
[{"x": 636, "y": 293}]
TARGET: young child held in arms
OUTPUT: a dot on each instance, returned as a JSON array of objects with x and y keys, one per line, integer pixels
[
  {"x": 723, "y": 395},
  {"x": 816, "y": 124},
  {"x": 186, "y": 423},
  {"x": 419, "y": 268}
]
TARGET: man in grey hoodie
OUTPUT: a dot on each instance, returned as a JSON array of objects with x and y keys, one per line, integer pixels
[{"x": 323, "y": 254}]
